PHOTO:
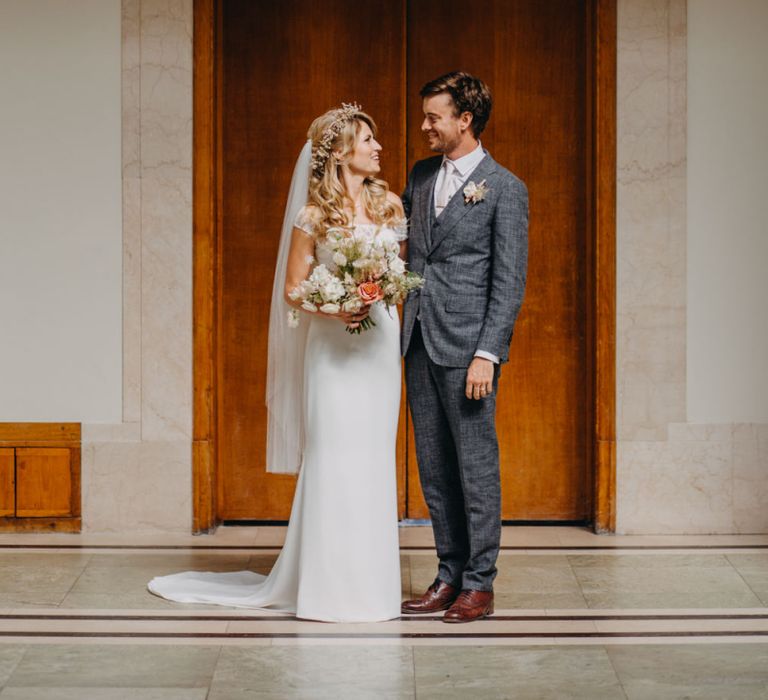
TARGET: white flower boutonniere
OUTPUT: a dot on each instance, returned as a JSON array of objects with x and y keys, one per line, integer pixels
[{"x": 474, "y": 193}]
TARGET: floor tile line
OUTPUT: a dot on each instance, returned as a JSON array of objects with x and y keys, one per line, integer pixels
[
  {"x": 385, "y": 635},
  {"x": 616, "y": 672},
  {"x": 404, "y": 548},
  {"x": 741, "y": 576},
  {"x": 576, "y": 578},
  {"x": 79, "y": 576},
  {"x": 404, "y": 619}
]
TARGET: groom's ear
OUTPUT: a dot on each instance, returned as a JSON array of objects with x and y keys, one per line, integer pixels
[{"x": 465, "y": 120}]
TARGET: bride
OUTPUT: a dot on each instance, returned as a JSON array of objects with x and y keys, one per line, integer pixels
[{"x": 333, "y": 400}]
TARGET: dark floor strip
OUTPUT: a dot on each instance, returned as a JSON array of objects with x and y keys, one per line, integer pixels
[
  {"x": 621, "y": 546},
  {"x": 407, "y": 618},
  {"x": 402, "y": 549},
  {"x": 382, "y": 635},
  {"x": 560, "y": 618}
]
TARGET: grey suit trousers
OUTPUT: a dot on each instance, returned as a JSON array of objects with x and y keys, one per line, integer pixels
[{"x": 458, "y": 457}]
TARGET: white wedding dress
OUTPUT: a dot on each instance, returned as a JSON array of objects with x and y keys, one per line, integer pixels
[{"x": 340, "y": 561}]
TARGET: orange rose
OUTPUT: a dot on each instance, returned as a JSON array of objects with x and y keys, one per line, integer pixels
[{"x": 370, "y": 292}]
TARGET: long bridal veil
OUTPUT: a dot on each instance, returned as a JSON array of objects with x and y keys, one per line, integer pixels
[{"x": 285, "y": 362}]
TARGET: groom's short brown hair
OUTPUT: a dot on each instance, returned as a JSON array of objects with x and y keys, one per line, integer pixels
[{"x": 469, "y": 94}]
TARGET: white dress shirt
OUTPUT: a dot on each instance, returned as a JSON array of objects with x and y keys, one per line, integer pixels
[{"x": 462, "y": 169}]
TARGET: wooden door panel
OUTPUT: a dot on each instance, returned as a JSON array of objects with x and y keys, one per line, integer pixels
[
  {"x": 533, "y": 55},
  {"x": 7, "y": 482},
  {"x": 43, "y": 481},
  {"x": 284, "y": 63}
]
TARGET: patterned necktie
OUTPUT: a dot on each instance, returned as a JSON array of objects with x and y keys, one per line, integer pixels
[{"x": 447, "y": 188}]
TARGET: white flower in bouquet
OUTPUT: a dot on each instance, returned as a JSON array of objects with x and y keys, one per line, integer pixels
[
  {"x": 378, "y": 252},
  {"x": 293, "y": 318},
  {"x": 330, "y": 308},
  {"x": 332, "y": 290},
  {"x": 389, "y": 289},
  {"x": 397, "y": 265},
  {"x": 308, "y": 306},
  {"x": 319, "y": 276},
  {"x": 352, "y": 306},
  {"x": 339, "y": 258}
]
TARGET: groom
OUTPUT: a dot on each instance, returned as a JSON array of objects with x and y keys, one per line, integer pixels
[{"x": 469, "y": 239}]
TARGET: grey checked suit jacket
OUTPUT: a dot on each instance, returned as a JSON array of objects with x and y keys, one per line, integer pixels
[{"x": 473, "y": 257}]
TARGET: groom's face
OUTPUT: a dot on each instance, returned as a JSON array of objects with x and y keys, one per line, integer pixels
[{"x": 442, "y": 127}]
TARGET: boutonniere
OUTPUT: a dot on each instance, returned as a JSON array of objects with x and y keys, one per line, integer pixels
[{"x": 474, "y": 193}]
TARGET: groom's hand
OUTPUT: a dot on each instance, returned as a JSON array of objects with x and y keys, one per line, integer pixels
[{"x": 479, "y": 378}]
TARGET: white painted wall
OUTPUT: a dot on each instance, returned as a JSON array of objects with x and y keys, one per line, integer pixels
[
  {"x": 60, "y": 211},
  {"x": 727, "y": 343}
]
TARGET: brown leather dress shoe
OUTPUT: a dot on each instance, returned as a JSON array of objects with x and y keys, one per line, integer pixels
[
  {"x": 439, "y": 596},
  {"x": 469, "y": 606}
]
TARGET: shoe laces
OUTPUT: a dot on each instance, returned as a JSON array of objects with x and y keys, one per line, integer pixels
[{"x": 464, "y": 596}]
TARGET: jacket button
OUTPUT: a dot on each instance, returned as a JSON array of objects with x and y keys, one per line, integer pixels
[{"x": 429, "y": 262}]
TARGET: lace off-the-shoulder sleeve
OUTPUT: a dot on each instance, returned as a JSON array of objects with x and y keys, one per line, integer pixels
[
  {"x": 401, "y": 230},
  {"x": 303, "y": 221}
]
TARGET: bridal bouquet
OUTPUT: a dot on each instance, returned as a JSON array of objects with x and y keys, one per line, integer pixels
[{"x": 364, "y": 270}]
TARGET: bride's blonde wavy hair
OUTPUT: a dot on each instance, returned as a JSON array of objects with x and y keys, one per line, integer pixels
[{"x": 326, "y": 186}]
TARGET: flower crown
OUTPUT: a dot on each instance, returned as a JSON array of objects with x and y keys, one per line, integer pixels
[{"x": 322, "y": 151}]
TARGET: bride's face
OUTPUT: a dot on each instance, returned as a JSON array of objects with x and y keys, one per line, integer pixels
[{"x": 365, "y": 157}]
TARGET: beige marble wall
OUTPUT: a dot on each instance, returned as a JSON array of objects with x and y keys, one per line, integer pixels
[
  {"x": 672, "y": 476},
  {"x": 137, "y": 476}
]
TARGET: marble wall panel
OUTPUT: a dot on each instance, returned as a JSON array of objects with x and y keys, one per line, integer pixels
[
  {"x": 750, "y": 477},
  {"x": 111, "y": 432},
  {"x": 137, "y": 487},
  {"x": 707, "y": 478},
  {"x": 137, "y": 475},
  {"x": 131, "y": 87},
  {"x": 675, "y": 487},
  {"x": 166, "y": 219},
  {"x": 166, "y": 88},
  {"x": 131, "y": 299},
  {"x": 650, "y": 218},
  {"x": 166, "y": 325},
  {"x": 672, "y": 476}
]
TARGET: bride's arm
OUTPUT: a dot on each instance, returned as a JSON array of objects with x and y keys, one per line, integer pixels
[{"x": 300, "y": 257}]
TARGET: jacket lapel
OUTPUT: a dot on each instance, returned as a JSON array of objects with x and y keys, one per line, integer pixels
[
  {"x": 457, "y": 208},
  {"x": 427, "y": 198}
]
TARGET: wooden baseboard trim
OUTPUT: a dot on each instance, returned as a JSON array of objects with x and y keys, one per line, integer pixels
[{"x": 41, "y": 525}]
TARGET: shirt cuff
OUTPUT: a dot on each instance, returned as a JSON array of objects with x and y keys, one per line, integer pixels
[{"x": 487, "y": 356}]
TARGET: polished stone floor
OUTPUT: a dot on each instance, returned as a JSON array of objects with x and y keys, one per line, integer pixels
[{"x": 577, "y": 616}]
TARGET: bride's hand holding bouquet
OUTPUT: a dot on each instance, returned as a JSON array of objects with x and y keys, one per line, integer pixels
[{"x": 363, "y": 271}]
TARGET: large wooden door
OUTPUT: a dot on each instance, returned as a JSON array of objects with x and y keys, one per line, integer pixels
[
  {"x": 533, "y": 55},
  {"x": 284, "y": 63}
]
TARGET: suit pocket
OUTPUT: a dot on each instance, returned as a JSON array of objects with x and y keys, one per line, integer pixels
[{"x": 474, "y": 306}]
